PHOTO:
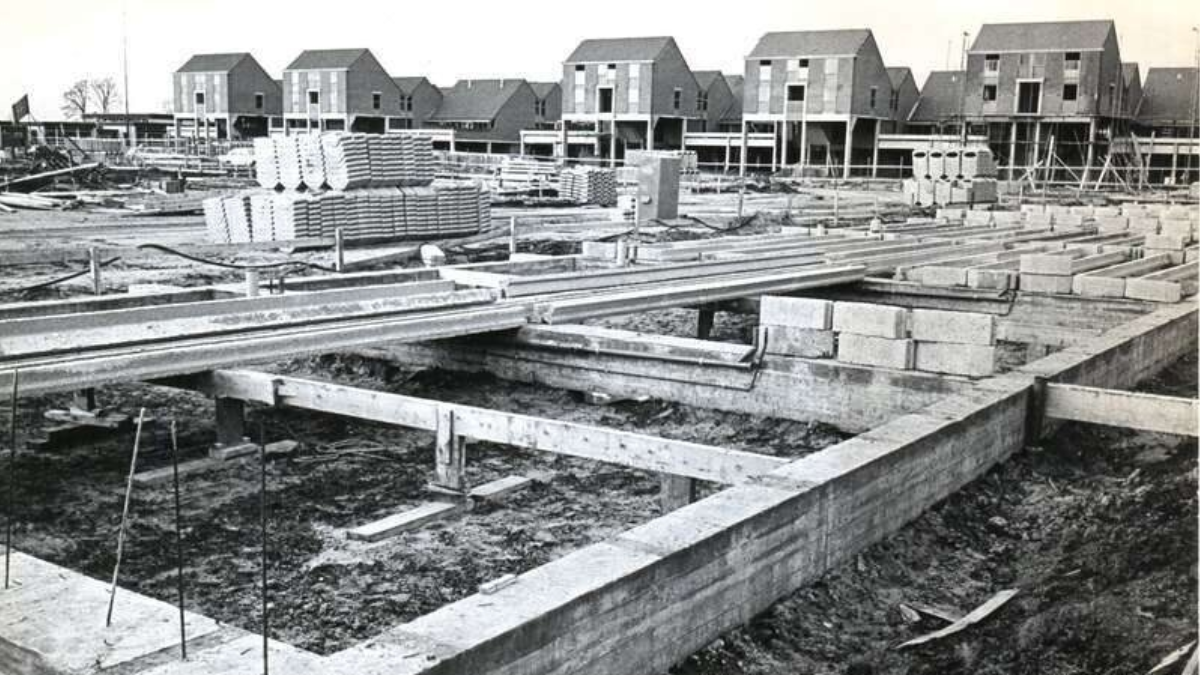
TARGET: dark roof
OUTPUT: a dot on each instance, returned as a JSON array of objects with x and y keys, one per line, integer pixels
[
  {"x": 706, "y": 78},
  {"x": 898, "y": 74},
  {"x": 408, "y": 84},
  {"x": 543, "y": 89},
  {"x": 940, "y": 97},
  {"x": 1042, "y": 37},
  {"x": 1129, "y": 71},
  {"x": 311, "y": 59},
  {"x": 734, "y": 111},
  {"x": 1168, "y": 94},
  {"x": 810, "y": 43},
  {"x": 475, "y": 100},
  {"x": 212, "y": 63},
  {"x": 619, "y": 49}
]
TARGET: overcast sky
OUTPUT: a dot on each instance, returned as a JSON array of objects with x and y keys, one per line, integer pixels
[{"x": 45, "y": 46}]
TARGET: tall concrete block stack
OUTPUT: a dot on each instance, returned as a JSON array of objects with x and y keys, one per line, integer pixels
[
  {"x": 952, "y": 176},
  {"x": 589, "y": 185},
  {"x": 880, "y": 336},
  {"x": 370, "y": 186}
]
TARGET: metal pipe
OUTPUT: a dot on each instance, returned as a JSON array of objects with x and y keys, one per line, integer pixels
[
  {"x": 178, "y": 542},
  {"x": 137, "y": 439}
]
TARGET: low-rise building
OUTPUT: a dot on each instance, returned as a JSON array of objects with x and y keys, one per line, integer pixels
[
  {"x": 339, "y": 90},
  {"x": 224, "y": 96}
]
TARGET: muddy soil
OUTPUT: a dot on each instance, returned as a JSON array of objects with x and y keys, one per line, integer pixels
[
  {"x": 1096, "y": 528},
  {"x": 328, "y": 593}
]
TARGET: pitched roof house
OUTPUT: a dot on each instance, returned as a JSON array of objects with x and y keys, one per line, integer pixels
[{"x": 228, "y": 93}]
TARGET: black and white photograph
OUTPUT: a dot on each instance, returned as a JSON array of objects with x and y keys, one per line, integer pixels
[{"x": 617, "y": 338}]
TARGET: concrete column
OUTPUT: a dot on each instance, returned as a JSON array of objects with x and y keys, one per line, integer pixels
[
  {"x": 774, "y": 146},
  {"x": 650, "y": 134},
  {"x": 84, "y": 399},
  {"x": 742, "y": 158},
  {"x": 727, "y": 147},
  {"x": 784, "y": 150},
  {"x": 875, "y": 152},
  {"x": 1012, "y": 151},
  {"x": 231, "y": 421},
  {"x": 1091, "y": 152},
  {"x": 804, "y": 133},
  {"x": 612, "y": 144},
  {"x": 849, "y": 147},
  {"x": 676, "y": 492},
  {"x": 1036, "y": 156}
]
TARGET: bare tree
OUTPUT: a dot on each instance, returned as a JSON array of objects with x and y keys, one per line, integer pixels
[
  {"x": 76, "y": 100},
  {"x": 104, "y": 91}
]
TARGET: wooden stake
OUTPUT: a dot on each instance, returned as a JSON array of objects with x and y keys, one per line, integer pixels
[
  {"x": 178, "y": 542},
  {"x": 137, "y": 439},
  {"x": 94, "y": 268},
  {"x": 339, "y": 250},
  {"x": 12, "y": 481}
]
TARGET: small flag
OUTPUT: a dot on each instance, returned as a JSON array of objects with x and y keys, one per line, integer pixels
[{"x": 20, "y": 109}]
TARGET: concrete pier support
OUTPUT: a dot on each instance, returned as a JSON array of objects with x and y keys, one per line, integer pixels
[
  {"x": 231, "y": 422},
  {"x": 676, "y": 492},
  {"x": 451, "y": 453}
]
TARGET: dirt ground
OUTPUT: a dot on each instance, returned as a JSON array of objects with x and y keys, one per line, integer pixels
[
  {"x": 329, "y": 593},
  {"x": 1095, "y": 527}
]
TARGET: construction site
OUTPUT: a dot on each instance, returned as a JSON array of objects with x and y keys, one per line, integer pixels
[{"x": 668, "y": 398}]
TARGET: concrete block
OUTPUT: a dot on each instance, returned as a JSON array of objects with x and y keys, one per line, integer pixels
[
  {"x": 808, "y": 313},
  {"x": 863, "y": 318},
  {"x": 803, "y": 342},
  {"x": 866, "y": 350},
  {"x": 1006, "y": 217},
  {"x": 971, "y": 328},
  {"x": 1068, "y": 219},
  {"x": 1106, "y": 211},
  {"x": 1182, "y": 228},
  {"x": 1033, "y": 208},
  {"x": 1098, "y": 287},
  {"x": 1167, "y": 242},
  {"x": 1045, "y": 283},
  {"x": 942, "y": 276},
  {"x": 953, "y": 215},
  {"x": 1143, "y": 224},
  {"x": 1038, "y": 219},
  {"x": 1107, "y": 224},
  {"x": 956, "y": 359},
  {"x": 1057, "y": 263},
  {"x": 1001, "y": 280}
]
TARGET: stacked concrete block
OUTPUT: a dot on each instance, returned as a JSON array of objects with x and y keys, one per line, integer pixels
[
  {"x": 1143, "y": 224},
  {"x": 797, "y": 326},
  {"x": 1048, "y": 273},
  {"x": 589, "y": 185},
  {"x": 954, "y": 343},
  {"x": 952, "y": 176},
  {"x": 873, "y": 335},
  {"x": 266, "y": 164},
  {"x": 1112, "y": 223}
]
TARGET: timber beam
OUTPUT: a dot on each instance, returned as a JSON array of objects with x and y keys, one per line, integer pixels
[
  {"x": 451, "y": 421},
  {"x": 1131, "y": 410}
]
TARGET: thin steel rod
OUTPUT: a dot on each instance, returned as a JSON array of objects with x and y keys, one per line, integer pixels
[
  {"x": 262, "y": 511},
  {"x": 137, "y": 439},
  {"x": 10, "y": 508},
  {"x": 178, "y": 541}
]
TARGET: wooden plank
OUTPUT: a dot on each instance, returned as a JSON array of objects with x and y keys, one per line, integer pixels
[
  {"x": 405, "y": 521},
  {"x": 1132, "y": 410},
  {"x": 649, "y": 453}
]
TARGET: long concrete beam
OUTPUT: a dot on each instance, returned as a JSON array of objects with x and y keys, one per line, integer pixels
[
  {"x": 1129, "y": 409},
  {"x": 649, "y": 453},
  {"x": 700, "y": 373}
]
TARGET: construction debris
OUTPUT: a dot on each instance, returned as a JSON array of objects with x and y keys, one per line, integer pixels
[{"x": 975, "y": 616}]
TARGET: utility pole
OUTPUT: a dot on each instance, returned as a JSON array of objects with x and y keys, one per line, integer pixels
[
  {"x": 125, "y": 72},
  {"x": 962, "y": 92}
]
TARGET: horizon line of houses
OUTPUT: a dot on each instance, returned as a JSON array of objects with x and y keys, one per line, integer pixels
[{"x": 816, "y": 101}]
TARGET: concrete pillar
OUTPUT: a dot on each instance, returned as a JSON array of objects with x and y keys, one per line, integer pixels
[
  {"x": 875, "y": 152},
  {"x": 650, "y": 134},
  {"x": 450, "y": 453},
  {"x": 849, "y": 147},
  {"x": 1091, "y": 152},
  {"x": 1036, "y": 156},
  {"x": 727, "y": 149},
  {"x": 231, "y": 421},
  {"x": 676, "y": 492},
  {"x": 774, "y": 146},
  {"x": 783, "y": 152},
  {"x": 84, "y": 399},
  {"x": 1012, "y": 151},
  {"x": 742, "y": 158},
  {"x": 804, "y": 134},
  {"x": 612, "y": 144}
]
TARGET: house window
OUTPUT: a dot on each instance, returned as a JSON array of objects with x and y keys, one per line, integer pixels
[
  {"x": 376, "y": 100},
  {"x": 1071, "y": 61},
  {"x": 765, "y": 62},
  {"x": 610, "y": 72},
  {"x": 677, "y": 98},
  {"x": 795, "y": 93},
  {"x": 894, "y": 101},
  {"x": 539, "y": 107},
  {"x": 874, "y": 94},
  {"x": 314, "y": 97},
  {"x": 1070, "y": 92},
  {"x": 199, "y": 98},
  {"x": 803, "y": 64},
  {"x": 580, "y": 68},
  {"x": 991, "y": 63},
  {"x": 1029, "y": 98},
  {"x": 701, "y": 101},
  {"x": 259, "y": 101},
  {"x": 604, "y": 99},
  {"x": 989, "y": 93},
  {"x": 406, "y": 103}
]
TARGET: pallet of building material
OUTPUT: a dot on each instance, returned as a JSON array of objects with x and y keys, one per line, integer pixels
[
  {"x": 266, "y": 166},
  {"x": 262, "y": 219},
  {"x": 290, "y": 166},
  {"x": 215, "y": 226},
  {"x": 237, "y": 216},
  {"x": 589, "y": 185},
  {"x": 312, "y": 161}
]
